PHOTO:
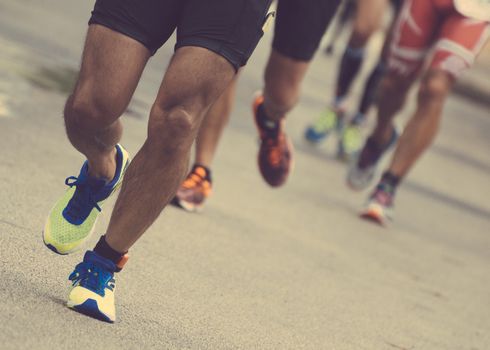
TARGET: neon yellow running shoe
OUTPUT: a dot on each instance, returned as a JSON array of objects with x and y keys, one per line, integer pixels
[
  {"x": 71, "y": 221},
  {"x": 350, "y": 142},
  {"x": 92, "y": 287},
  {"x": 319, "y": 130}
]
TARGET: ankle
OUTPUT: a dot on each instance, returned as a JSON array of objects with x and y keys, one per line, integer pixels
[
  {"x": 389, "y": 181},
  {"x": 104, "y": 167},
  {"x": 271, "y": 112},
  {"x": 103, "y": 249}
]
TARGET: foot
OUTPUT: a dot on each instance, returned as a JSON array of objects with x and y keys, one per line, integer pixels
[
  {"x": 364, "y": 166},
  {"x": 71, "y": 221},
  {"x": 379, "y": 207},
  {"x": 92, "y": 287},
  {"x": 327, "y": 122},
  {"x": 194, "y": 191},
  {"x": 350, "y": 142},
  {"x": 276, "y": 150}
]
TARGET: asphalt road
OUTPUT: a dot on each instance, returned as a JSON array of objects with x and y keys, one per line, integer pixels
[{"x": 260, "y": 269}]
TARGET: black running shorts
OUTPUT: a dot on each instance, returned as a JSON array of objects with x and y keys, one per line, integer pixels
[
  {"x": 231, "y": 28},
  {"x": 300, "y": 26}
]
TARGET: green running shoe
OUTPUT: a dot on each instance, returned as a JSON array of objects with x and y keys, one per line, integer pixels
[
  {"x": 71, "y": 221},
  {"x": 350, "y": 142},
  {"x": 323, "y": 126}
]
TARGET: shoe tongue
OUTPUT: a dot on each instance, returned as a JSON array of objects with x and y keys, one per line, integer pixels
[
  {"x": 93, "y": 182},
  {"x": 96, "y": 259}
]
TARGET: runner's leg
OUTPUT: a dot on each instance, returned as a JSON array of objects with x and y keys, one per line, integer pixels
[
  {"x": 414, "y": 33},
  {"x": 283, "y": 77},
  {"x": 368, "y": 18},
  {"x": 299, "y": 28},
  {"x": 208, "y": 53},
  {"x": 371, "y": 88},
  {"x": 423, "y": 125},
  {"x": 213, "y": 125},
  {"x": 197, "y": 186},
  {"x": 111, "y": 68},
  {"x": 194, "y": 80},
  {"x": 460, "y": 41}
]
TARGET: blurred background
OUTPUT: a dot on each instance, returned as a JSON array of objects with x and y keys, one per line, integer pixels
[{"x": 259, "y": 268}]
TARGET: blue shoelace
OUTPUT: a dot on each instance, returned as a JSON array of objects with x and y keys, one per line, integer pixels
[
  {"x": 82, "y": 201},
  {"x": 92, "y": 277}
]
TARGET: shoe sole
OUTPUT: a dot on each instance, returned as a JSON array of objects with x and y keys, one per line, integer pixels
[
  {"x": 375, "y": 213},
  {"x": 90, "y": 308},
  {"x": 187, "y": 206},
  {"x": 374, "y": 217}
]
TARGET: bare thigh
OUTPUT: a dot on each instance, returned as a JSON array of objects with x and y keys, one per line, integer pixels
[
  {"x": 368, "y": 16},
  {"x": 112, "y": 65},
  {"x": 194, "y": 80}
]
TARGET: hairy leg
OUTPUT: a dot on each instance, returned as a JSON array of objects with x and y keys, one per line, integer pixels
[
  {"x": 283, "y": 77},
  {"x": 112, "y": 64},
  {"x": 194, "y": 80},
  {"x": 422, "y": 127},
  {"x": 213, "y": 125}
]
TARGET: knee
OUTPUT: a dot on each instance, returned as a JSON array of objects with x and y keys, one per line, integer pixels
[
  {"x": 434, "y": 87},
  {"x": 87, "y": 113},
  {"x": 177, "y": 123},
  {"x": 393, "y": 84},
  {"x": 361, "y": 34}
]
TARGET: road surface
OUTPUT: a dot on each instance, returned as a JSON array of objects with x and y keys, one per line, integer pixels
[{"x": 260, "y": 269}]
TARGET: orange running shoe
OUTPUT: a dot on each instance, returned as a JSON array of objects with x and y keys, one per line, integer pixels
[
  {"x": 276, "y": 150},
  {"x": 193, "y": 192}
]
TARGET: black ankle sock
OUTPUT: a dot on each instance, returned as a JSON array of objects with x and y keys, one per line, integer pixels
[
  {"x": 104, "y": 250},
  {"x": 206, "y": 169},
  {"x": 390, "y": 180}
]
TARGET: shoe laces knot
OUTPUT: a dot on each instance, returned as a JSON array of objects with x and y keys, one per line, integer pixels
[
  {"x": 92, "y": 277},
  {"x": 83, "y": 196}
]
